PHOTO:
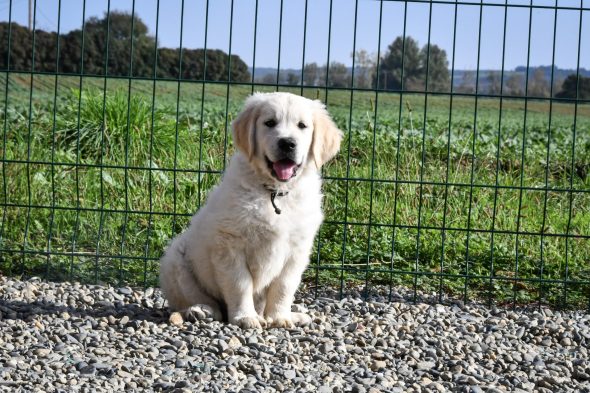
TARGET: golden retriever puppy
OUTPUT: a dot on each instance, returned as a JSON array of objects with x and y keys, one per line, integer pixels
[{"x": 242, "y": 257}]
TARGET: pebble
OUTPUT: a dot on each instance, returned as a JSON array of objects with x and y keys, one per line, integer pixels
[
  {"x": 99, "y": 338},
  {"x": 377, "y": 365},
  {"x": 425, "y": 365},
  {"x": 42, "y": 352},
  {"x": 234, "y": 342},
  {"x": 176, "y": 318}
]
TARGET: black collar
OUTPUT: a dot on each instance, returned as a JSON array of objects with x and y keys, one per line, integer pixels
[{"x": 273, "y": 194}]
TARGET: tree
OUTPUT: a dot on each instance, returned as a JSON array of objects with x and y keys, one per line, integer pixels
[
  {"x": 269, "y": 79},
  {"x": 338, "y": 75},
  {"x": 494, "y": 82},
  {"x": 467, "y": 84},
  {"x": 117, "y": 26},
  {"x": 538, "y": 84},
  {"x": 575, "y": 87},
  {"x": 292, "y": 79},
  {"x": 310, "y": 74},
  {"x": 438, "y": 67},
  {"x": 364, "y": 68},
  {"x": 401, "y": 52},
  {"x": 557, "y": 83},
  {"x": 21, "y": 47},
  {"x": 415, "y": 62},
  {"x": 45, "y": 53},
  {"x": 515, "y": 85}
]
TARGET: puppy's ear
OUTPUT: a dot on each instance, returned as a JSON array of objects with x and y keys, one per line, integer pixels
[
  {"x": 244, "y": 128},
  {"x": 326, "y": 136}
]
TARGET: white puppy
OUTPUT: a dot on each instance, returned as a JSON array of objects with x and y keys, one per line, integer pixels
[{"x": 245, "y": 250}]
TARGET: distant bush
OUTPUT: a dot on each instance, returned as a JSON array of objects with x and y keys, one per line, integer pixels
[{"x": 575, "y": 87}]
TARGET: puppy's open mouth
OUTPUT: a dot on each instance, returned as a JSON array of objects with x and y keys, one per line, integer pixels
[{"x": 283, "y": 169}]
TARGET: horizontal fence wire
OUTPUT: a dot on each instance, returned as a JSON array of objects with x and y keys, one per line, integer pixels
[{"x": 459, "y": 183}]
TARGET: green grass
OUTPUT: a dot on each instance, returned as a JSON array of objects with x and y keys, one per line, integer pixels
[{"x": 128, "y": 179}]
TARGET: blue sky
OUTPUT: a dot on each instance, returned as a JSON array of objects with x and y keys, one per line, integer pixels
[{"x": 343, "y": 32}]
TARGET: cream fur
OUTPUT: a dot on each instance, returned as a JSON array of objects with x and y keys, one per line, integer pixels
[{"x": 239, "y": 259}]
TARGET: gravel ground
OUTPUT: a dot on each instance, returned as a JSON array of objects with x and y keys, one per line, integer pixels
[{"x": 72, "y": 337}]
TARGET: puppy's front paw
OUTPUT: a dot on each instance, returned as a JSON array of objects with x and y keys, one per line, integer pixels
[
  {"x": 300, "y": 319},
  {"x": 250, "y": 322},
  {"x": 288, "y": 321},
  {"x": 280, "y": 321}
]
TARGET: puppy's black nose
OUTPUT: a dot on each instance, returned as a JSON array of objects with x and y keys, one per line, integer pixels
[{"x": 287, "y": 145}]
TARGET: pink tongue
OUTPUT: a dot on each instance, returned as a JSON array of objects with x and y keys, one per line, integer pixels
[{"x": 284, "y": 169}]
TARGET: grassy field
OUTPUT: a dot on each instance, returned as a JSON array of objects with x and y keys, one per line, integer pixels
[{"x": 103, "y": 181}]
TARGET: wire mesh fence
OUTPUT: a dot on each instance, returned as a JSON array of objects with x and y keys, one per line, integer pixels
[{"x": 464, "y": 169}]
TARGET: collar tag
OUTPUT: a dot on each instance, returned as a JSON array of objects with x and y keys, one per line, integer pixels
[{"x": 273, "y": 195}]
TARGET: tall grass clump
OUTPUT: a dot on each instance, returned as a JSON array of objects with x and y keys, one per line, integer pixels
[{"x": 113, "y": 127}]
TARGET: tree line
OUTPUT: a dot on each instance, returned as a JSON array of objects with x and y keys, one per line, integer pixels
[
  {"x": 405, "y": 66},
  {"x": 115, "y": 45},
  {"x": 119, "y": 45},
  {"x": 514, "y": 83}
]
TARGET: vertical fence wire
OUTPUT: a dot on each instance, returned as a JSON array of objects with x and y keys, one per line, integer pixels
[
  {"x": 374, "y": 145},
  {"x": 29, "y": 137},
  {"x": 350, "y": 136},
  {"x": 102, "y": 143},
  {"x": 547, "y": 156},
  {"x": 146, "y": 252},
  {"x": 5, "y": 131},
  {"x": 178, "y": 89},
  {"x": 319, "y": 238},
  {"x": 202, "y": 122},
  {"x": 227, "y": 90},
  {"x": 278, "y": 82},
  {"x": 397, "y": 151},
  {"x": 448, "y": 165},
  {"x": 77, "y": 167},
  {"x": 53, "y": 142},
  {"x": 522, "y": 158},
  {"x": 127, "y": 143},
  {"x": 302, "y": 80},
  {"x": 572, "y": 171},
  {"x": 497, "y": 157},
  {"x": 473, "y": 140},
  {"x": 254, "y": 46},
  {"x": 422, "y": 154}
]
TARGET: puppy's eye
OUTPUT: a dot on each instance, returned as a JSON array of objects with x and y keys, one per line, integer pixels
[
  {"x": 270, "y": 123},
  {"x": 301, "y": 125}
]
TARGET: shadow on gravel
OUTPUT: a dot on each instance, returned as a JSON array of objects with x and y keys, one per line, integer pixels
[{"x": 24, "y": 310}]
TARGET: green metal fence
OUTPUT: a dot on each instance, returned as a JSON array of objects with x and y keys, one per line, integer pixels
[{"x": 473, "y": 184}]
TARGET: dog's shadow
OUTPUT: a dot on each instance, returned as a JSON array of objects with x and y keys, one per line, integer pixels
[{"x": 18, "y": 309}]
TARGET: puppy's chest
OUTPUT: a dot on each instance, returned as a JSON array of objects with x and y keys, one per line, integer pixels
[
  {"x": 269, "y": 239},
  {"x": 266, "y": 255},
  {"x": 271, "y": 242}
]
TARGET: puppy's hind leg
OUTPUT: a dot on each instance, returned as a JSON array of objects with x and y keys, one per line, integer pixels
[
  {"x": 201, "y": 305},
  {"x": 196, "y": 312},
  {"x": 202, "y": 311},
  {"x": 183, "y": 291},
  {"x": 204, "y": 307}
]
